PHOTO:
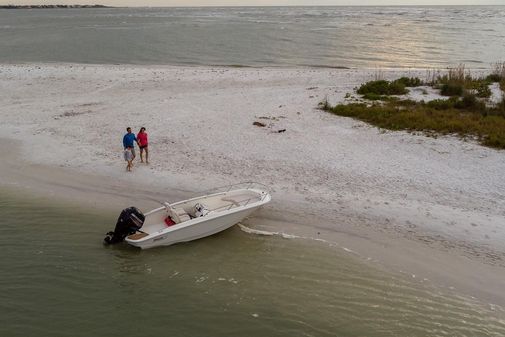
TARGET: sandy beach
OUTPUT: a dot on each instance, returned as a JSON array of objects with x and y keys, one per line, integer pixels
[{"x": 433, "y": 208}]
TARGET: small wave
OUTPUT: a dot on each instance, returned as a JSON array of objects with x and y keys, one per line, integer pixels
[
  {"x": 324, "y": 66},
  {"x": 471, "y": 61},
  {"x": 323, "y": 28},
  {"x": 256, "y": 231},
  {"x": 291, "y": 236},
  {"x": 267, "y": 233},
  {"x": 313, "y": 15},
  {"x": 233, "y": 65},
  {"x": 262, "y": 21}
]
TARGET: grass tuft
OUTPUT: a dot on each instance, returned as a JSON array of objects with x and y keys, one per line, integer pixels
[{"x": 325, "y": 104}]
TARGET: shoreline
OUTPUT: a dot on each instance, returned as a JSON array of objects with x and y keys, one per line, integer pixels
[
  {"x": 389, "y": 196},
  {"x": 419, "y": 71}
]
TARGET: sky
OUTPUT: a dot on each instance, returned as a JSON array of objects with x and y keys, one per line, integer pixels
[{"x": 162, "y": 3}]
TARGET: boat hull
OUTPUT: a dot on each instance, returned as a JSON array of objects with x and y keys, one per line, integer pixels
[
  {"x": 224, "y": 209},
  {"x": 190, "y": 232}
]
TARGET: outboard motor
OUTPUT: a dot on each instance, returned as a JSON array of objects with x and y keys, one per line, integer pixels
[{"x": 130, "y": 220}]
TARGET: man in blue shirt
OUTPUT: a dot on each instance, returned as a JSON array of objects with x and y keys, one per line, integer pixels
[{"x": 128, "y": 140}]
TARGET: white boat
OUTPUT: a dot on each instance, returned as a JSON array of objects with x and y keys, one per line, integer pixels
[{"x": 177, "y": 222}]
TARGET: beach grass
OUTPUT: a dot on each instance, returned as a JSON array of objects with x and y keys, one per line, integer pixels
[
  {"x": 498, "y": 72},
  {"x": 458, "y": 81}
]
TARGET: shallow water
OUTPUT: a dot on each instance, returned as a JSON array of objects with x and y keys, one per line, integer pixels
[
  {"x": 58, "y": 280},
  {"x": 413, "y": 36}
]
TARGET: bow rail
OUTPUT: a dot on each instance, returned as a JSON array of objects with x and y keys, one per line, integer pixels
[{"x": 247, "y": 185}]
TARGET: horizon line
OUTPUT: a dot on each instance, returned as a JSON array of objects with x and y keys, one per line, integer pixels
[{"x": 241, "y": 6}]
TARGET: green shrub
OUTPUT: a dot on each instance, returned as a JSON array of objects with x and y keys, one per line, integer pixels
[
  {"x": 493, "y": 78},
  {"x": 452, "y": 89},
  {"x": 470, "y": 102},
  {"x": 397, "y": 88},
  {"x": 382, "y": 87},
  {"x": 409, "y": 81},
  {"x": 483, "y": 90}
]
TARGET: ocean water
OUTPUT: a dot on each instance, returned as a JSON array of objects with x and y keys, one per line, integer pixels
[
  {"x": 57, "y": 279},
  {"x": 432, "y": 37}
]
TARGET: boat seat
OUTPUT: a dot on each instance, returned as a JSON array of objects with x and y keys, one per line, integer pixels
[
  {"x": 233, "y": 201},
  {"x": 178, "y": 214},
  {"x": 137, "y": 236}
]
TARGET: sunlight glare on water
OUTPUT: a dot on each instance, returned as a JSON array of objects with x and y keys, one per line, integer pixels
[{"x": 398, "y": 37}]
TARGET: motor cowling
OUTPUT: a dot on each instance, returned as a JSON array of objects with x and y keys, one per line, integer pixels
[{"x": 130, "y": 221}]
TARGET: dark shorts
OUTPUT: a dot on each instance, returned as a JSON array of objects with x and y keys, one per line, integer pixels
[{"x": 143, "y": 147}]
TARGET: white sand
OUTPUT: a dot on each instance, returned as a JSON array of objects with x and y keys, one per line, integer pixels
[
  {"x": 496, "y": 93},
  {"x": 349, "y": 176}
]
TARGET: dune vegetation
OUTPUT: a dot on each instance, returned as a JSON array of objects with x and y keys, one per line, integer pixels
[{"x": 466, "y": 112}]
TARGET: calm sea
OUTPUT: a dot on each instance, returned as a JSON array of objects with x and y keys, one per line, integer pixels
[
  {"x": 57, "y": 279},
  {"x": 258, "y": 36}
]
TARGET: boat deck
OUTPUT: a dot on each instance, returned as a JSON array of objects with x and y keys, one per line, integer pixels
[{"x": 220, "y": 202}]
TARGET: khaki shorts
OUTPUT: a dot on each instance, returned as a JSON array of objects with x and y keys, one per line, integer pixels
[{"x": 133, "y": 153}]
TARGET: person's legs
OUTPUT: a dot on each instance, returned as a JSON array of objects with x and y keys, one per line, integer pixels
[
  {"x": 133, "y": 154},
  {"x": 141, "y": 152},
  {"x": 125, "y": 154}
]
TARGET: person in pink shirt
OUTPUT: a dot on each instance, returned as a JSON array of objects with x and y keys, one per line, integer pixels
[{"x": 143, "y": 143}]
